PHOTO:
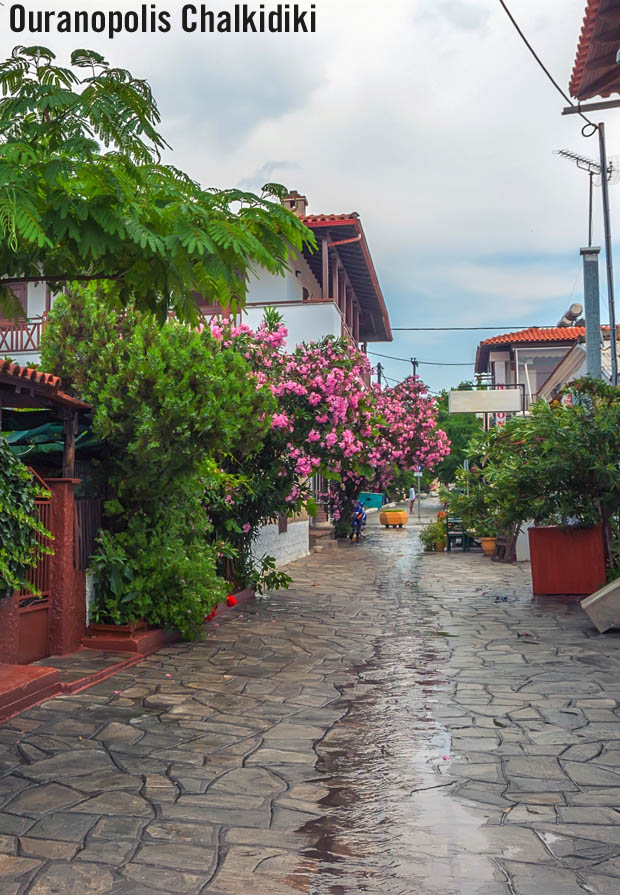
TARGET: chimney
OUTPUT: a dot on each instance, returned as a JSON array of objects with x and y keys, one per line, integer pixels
[{"x": 296, "y": 203}]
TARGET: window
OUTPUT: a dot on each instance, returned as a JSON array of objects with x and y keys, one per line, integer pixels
[{"x": 20, "y": 290}]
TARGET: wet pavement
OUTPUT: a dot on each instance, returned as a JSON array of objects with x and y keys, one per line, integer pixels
[{"x": 397, "y": 723}]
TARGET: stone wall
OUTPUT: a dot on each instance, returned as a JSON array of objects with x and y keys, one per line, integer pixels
[{"x": 286, "y": 546}]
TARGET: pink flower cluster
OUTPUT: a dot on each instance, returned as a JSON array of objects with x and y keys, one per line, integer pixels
[{"x": 330, "y": 420}]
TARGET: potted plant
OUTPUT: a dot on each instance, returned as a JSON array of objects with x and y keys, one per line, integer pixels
[
  {"x": 487, "y": 534},
  {"x": 433, "y": 536},
  {"x": 559, "y": 467}
]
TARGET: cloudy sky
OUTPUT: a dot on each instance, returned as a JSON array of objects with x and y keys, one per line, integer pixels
[{"x": 428, "y": 117}]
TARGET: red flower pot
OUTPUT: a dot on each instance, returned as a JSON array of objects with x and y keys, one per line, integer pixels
[{"x": 567, "y": 560}]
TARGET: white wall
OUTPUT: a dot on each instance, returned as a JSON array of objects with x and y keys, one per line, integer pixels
[
  {"x": 36, "y": 299},
  {"x": 286, "y": 547},
  {"x": 267, "y": 287},
  {"x": 522, "y": 547},
  {"x": 306, "y": 322}
]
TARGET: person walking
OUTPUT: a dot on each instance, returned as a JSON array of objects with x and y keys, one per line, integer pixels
[{"x": 411, "y": 499}]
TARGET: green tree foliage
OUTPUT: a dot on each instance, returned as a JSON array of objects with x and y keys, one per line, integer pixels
[
  {"x": 86, "y": 197},
  {"x": 559, "y": 465},
  {"x": 168, "y": 400},
  {"x": 460, "y": 429},
  {"x": 21, "y": 532}
]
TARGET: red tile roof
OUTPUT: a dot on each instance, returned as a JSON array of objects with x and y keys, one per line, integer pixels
[
  {"x": 34, "y": 376},
  {"x": 539, "y": 334},
  {"x": 38, "y": 384},
  {"x": 310, "y": 219},
  {"x": 595, "y": 72},
  {"x": 355, "y": 256},
  {"x": 531, "y": 336},
  {"x": 584, "y": 46}
]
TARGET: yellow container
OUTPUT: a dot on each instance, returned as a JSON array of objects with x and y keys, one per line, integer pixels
[{"x": 393, "y": 518}]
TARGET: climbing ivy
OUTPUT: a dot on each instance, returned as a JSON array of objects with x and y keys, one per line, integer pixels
[{"x": 20, "y": 530}]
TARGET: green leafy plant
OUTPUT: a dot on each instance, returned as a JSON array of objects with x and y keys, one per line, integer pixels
[
  {"x": 170, "y": 405},
  {"x": 160, "y": 568},
  {"x": 86, "y": 197},
  {"x": 558, "y": 466},
  {"x": 432, "y": 534},
  {"x": 22, "y": 535}
]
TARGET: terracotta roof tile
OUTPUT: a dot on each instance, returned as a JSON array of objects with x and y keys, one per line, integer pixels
[
  {"x": 539, "y": 334},
  {"x": 595, "y": 72},
  {"x": 36, "y": 377},
  {"x": 44, "y": 385},
  {"x": 584, "y": 46},
  {"x": 310, "y": 219}
]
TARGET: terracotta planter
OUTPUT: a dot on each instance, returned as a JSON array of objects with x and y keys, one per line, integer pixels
[
  {"x": 440, "y": 546},
  {"x": 488, "y": 546},
  {"x": 567, "y": 560},
  {"x": 134, "y": 638},
  {"x": 118, "y": 630},
  {"x": 394, "y": 518}
]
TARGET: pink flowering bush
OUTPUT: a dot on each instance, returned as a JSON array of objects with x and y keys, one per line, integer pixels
[{"x": 329, "y": 421}]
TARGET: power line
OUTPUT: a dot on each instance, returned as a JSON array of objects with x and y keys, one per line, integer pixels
[
  {"x": 428, "y": 363},
  {"x": 543, "y": 66},
  {"x": 399, "y": 382},
  {"x": 442, "y": 329}
]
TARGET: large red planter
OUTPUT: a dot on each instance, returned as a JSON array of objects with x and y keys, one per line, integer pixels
[{"x": 567, "y": 560}]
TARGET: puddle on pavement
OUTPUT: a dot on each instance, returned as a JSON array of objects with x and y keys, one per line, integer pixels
[{"x": 391, "y": 826}]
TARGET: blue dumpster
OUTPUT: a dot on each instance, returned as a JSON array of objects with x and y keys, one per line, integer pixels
[{"x": 370, "y": 500}]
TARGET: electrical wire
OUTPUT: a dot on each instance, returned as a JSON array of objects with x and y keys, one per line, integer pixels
[
  {"x": 445, "y": 329},
  {"x": 398, "y": 382},
  {"x": 429, "y": 363},
  {"x": 545, "y": 69}
]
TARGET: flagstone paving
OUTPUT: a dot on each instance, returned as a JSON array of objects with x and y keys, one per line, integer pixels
[{"x": 396, "y": 724}]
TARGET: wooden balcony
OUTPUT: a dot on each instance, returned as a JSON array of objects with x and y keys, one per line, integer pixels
[{"x": 21, "y": 337}]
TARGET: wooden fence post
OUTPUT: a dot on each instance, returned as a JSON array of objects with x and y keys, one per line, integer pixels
[{"x": 67, "y": 612}]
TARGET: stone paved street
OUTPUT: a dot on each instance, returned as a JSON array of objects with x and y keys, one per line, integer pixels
[{"x": 397, "y": 723}]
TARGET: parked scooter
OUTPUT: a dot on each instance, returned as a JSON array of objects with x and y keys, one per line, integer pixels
[{"x": 358, "y": 521}]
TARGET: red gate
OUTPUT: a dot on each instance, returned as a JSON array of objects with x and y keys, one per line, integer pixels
[{"x": 34, "y": 610}]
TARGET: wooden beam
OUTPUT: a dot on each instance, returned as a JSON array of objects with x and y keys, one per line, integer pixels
[
  {"x": 336, "y": 282},
  {"x": 325, "y": 254},
  {"x": 68, "y": 459},
  {"x": 591, "y": 107},
  {"x": 609, "y": 82}
]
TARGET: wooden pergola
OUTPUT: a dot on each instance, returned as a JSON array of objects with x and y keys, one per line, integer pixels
[{"x": 23, "y": 387}]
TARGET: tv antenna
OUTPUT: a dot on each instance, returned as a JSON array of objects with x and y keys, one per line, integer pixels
[{"x": 593, "y": 170}]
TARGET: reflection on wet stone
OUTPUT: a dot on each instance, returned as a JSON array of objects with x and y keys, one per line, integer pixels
[{"x": 386, "y": 732}]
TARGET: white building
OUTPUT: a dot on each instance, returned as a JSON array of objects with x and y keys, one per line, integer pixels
[{"x": 332, "y": 291}]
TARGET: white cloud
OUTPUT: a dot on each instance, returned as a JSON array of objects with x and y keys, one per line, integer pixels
[{"x": 429, "y": 118}]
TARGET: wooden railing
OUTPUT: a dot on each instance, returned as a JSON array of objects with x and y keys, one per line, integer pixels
[
  {"x": 22, "y": 336},
  {"x": 86, "y": 526},
  {"x": 39, "y": 576}
]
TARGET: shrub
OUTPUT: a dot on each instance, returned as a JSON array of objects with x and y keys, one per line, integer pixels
[
  {"x": 20, "y": 530},
  {"x": 169, "y": 403},
  {"x": 432, "y": 533}
]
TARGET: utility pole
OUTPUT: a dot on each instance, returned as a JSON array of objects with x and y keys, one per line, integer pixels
[
  {"x": 593, "y": 312},
  {"x": 379, "y": 373},
  {"x": 590, "y": 265},
  {"x": 608, "y": 260},
  {"x": 414, "y": 364}
]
